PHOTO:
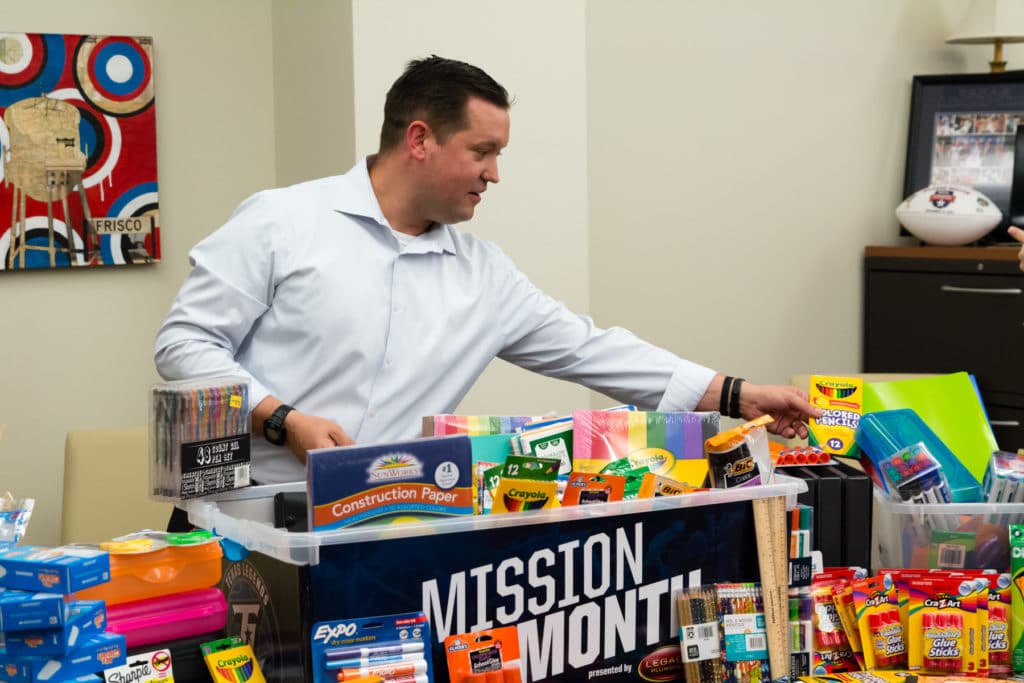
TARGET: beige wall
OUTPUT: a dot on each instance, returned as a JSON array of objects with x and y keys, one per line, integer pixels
[
  {"x": 742, "y": 154},
  {"x": 313, "y": 95},
  {"x": 538, "y": 212},
  {"x": 76, "y": 348},
  {"x": 657, "y": 151}
]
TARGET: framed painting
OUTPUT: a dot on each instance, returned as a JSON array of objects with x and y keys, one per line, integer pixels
[{"x": 78, "y": 183}]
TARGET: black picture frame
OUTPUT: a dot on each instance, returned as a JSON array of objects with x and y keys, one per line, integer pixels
[{"x": 962, "y": 132}]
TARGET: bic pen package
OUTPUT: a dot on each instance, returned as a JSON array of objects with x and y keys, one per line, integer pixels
[{"x": 199, "y": 437}]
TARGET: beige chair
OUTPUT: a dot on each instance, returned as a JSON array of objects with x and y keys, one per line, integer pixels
[{"x": 106, "y": 485}]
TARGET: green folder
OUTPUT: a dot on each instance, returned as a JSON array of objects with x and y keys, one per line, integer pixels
[{"x": 950, "y": 406}]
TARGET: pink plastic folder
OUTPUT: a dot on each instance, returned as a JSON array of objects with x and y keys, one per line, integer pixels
[{"x": 168, "y": 617}]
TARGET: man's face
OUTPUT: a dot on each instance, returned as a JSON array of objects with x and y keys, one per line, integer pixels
[{"x": 459, "y": 169}]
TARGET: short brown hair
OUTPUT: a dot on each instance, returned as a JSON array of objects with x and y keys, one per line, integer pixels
[{"x": 435, "y": 90}]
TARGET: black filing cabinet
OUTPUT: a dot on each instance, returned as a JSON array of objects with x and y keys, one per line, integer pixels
[{"x": 951, "y": 309}]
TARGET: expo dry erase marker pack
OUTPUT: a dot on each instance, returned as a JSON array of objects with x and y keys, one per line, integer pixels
[{"x": 395, "y": 647}]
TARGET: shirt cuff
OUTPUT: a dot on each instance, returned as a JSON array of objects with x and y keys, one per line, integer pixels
[{"x": 687, "y": 387}]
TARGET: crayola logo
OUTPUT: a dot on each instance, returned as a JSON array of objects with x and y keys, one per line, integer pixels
[
  {"x": 658, "y": 460},
  {"x": 238, "y": 669}
]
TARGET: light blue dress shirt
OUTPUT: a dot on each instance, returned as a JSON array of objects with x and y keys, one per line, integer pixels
[{"x": 306, "y": 292}]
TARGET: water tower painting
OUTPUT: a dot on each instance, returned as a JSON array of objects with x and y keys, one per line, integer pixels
[{"x": 78, "y": 183}]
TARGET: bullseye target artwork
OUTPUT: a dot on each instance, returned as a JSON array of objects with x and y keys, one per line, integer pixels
[{"x": 78, "y": 183}]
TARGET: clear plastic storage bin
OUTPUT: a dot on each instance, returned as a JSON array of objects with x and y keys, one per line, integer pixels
[{"x": 951, "y": 535}]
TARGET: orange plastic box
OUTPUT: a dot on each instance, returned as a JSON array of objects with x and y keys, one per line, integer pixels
[{"x": 169, "y": 570}]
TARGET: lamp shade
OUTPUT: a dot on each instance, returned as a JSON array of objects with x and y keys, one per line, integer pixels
[{"x": 990, "y": 20}]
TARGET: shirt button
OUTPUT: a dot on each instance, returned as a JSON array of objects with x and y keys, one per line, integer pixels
[{"x": 387, "y": 361}]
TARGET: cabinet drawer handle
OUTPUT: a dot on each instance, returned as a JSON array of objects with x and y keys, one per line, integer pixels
[
  {"x": 1008, "y": 291},
  {"x": 1004, "y": 423}
]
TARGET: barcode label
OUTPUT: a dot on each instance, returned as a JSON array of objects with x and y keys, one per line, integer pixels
[
  {"x": 951, "y": 556},
  {"x": 242, "y": 476},
  {"x": 699, "y": 641},
  {"x": 744, "y": 637}
]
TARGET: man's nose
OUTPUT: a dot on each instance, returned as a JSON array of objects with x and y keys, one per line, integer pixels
[{"x": 490, "y": 173}]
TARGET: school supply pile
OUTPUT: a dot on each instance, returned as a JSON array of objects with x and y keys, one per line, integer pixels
[
  {"x": 199, "y": 437},
  {"x": 927, "y": 622},
  {"x": 163, "y": 598},
  {"x": 722, "y": 634},
  {"x": 48, "y": 634}
]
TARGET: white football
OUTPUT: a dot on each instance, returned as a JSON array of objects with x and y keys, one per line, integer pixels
[{"x": 948, "y": 215}]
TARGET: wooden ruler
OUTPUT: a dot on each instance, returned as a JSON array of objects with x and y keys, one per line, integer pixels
[{"x": 772, "y": 560}]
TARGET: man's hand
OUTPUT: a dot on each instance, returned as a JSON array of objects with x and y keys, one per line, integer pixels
[
  {"x": 788, "y": 405},
  {"x": 1018, "y": 234},
  {"x": 306, "y": 432}
]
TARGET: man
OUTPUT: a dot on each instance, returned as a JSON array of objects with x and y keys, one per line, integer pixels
[
  {"x": 1018, "y": 234},
  {"x": 354, "y": 299}
]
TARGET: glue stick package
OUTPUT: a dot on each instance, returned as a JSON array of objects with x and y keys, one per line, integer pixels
[
  {"x": 740, "y": 456},
  {"x": 483, "y": 656},
  {"x": 832, "y": 651},
  {"x": 942, "y": 626},
  {"x": 999, "y": 626},
  {"x": 878, "y": 617}
]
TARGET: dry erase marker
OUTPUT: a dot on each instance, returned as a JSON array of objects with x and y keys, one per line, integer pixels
[
  {"x": 362, "y": 662},
  {"x": 382, "y": 650}
]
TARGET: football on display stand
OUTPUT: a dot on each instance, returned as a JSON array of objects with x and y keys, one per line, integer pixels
[{"x": 946, "y": 215}]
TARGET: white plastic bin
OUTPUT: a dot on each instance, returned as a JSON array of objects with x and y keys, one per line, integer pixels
[{"x": 971, "y": 535}]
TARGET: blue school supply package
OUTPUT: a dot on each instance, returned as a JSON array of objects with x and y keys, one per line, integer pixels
[{"x": 414, "y": 480}]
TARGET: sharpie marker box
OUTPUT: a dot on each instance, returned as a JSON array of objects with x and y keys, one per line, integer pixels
[
  {"x": 65, "y": 569},
  {"x": 100, "y": 652},
  {"x": 20, "y": 610},
  {"x": 390, "y": 482},
  {"x": 85, "y": 619}
]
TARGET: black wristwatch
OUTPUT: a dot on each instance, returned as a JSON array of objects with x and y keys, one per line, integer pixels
[{"x": 273, "y": 426}]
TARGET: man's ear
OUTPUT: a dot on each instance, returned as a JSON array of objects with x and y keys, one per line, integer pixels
[{"x": 417, "y": 135}]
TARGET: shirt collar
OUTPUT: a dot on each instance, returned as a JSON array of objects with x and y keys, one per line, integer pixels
[{"x": 355, "y": 197}]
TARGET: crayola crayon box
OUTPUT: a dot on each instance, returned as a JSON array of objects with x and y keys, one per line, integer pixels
[
  {"x": 842, "y": 399},
  {"x": 390, "y": 482},
  {"x": 526, "y": 483},
  {"x": 229, "y": 660},
  {"x": 669, "y": 444}
]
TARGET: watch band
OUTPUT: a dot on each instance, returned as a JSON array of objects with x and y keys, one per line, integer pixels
[{"x": 273, "y": 427}]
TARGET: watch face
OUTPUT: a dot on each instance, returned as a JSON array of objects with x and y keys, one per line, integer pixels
[{"x": 273, "y": 434}]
